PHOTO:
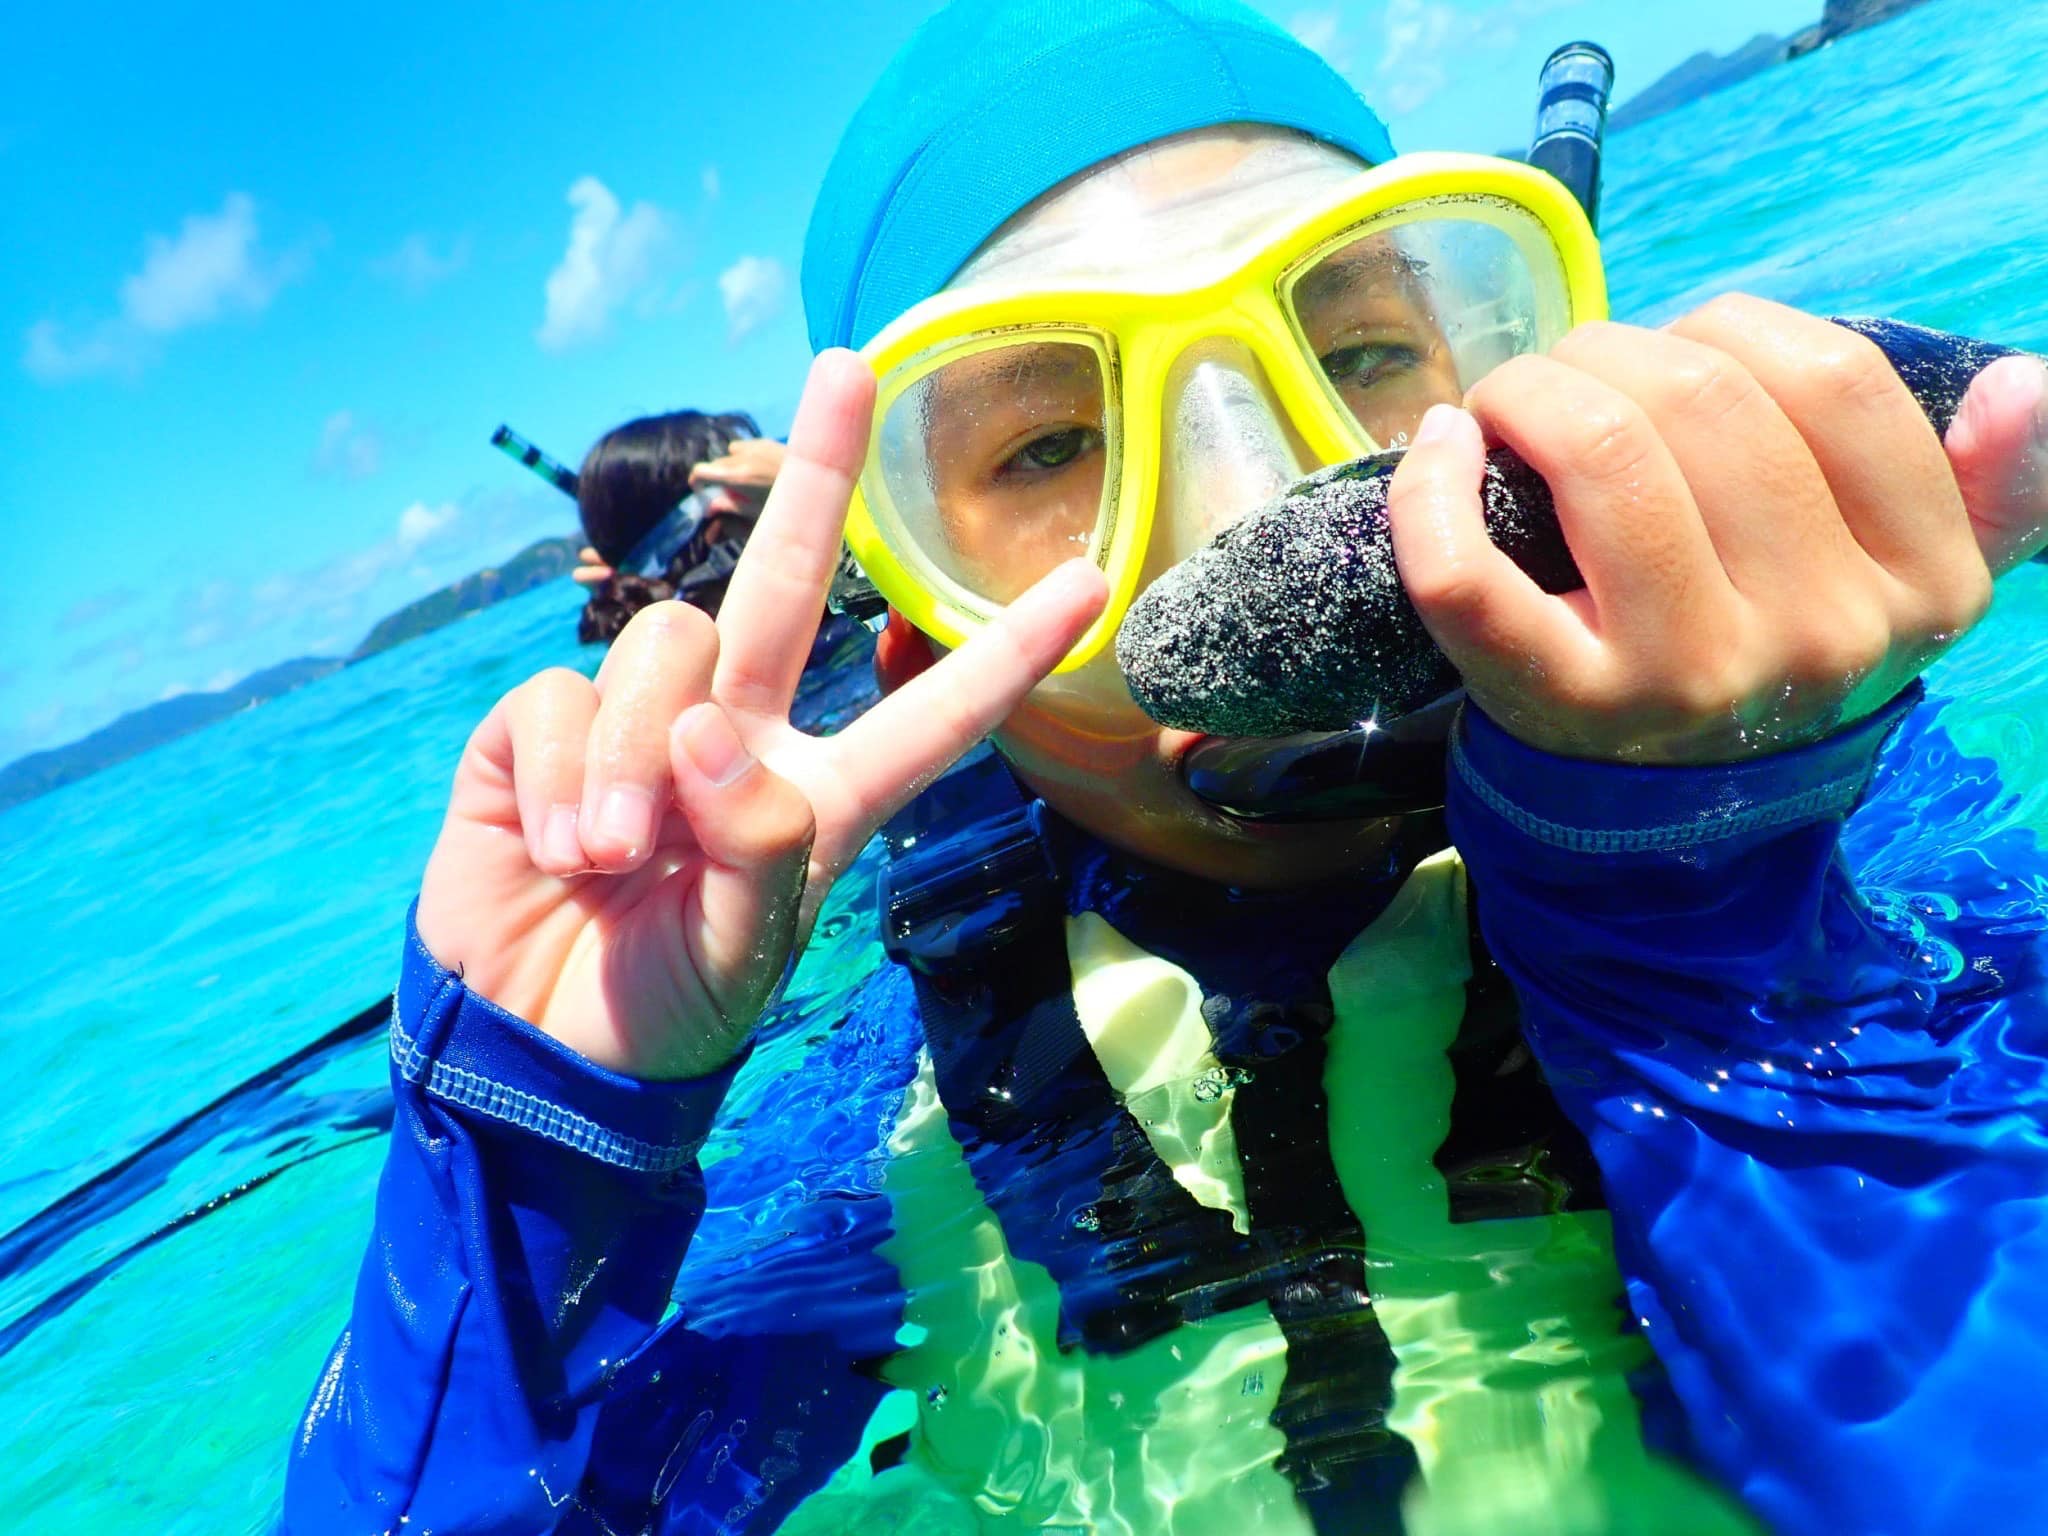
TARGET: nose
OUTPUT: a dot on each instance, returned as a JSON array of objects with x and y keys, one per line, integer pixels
[{"x": 1228, "y": 449}]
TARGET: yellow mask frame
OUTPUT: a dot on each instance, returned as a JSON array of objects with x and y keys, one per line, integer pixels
[{"x": 1138, "y": 333}]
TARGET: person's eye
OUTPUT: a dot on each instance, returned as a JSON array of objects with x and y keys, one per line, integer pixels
[
  {"x": 1049, "y": 451},
  {"x": 1368, "y": 362}
]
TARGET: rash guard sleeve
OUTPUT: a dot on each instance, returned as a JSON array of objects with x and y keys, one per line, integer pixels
[
  {"x": 530, "y": 1221},
  {"x": 1818, "y": 1111}
]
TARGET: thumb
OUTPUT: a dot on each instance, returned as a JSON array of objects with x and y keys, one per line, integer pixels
[{"x": 1998, "y": 447}]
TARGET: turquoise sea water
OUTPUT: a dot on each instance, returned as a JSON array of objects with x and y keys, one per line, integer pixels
[{"x": 179, "y": 927}]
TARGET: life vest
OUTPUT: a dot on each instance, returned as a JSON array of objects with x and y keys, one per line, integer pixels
[{"x": 1177, "y": 1266}]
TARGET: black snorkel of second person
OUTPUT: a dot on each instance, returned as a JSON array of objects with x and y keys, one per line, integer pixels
[{"x": 1395, "y": 765}]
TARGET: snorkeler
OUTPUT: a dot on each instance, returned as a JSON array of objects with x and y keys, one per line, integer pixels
[
  {"x": 663, "y": 517},
  {"x": 1196, "y": 1173}
]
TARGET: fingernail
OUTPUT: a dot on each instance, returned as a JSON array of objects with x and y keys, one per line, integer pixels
[
  {"x": 712, "y": 745},
  {"x": 1438, "y": 422},
  {"x": 625, "y": 818},
  {"x": 559, "y": 844}
]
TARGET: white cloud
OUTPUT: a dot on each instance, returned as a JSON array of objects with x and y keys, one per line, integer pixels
[
  {"x": 109, "y": 347},
  {"x": 97, "y": 606},
  {"x": 420, "y": 522},
  {"x": 417, "y": 266},
  {"x": 1415, "y": 64},
  {"x": 712, "y": 186},
  {"x": 752, "y": 288},
  {"x": 611, "y": 258},
  {"x": 348, "y": 449},
  {"x": 1428, "y": 41},
  {"x": 1323, "y": 32},
  {"x": 211, "y": 268}
]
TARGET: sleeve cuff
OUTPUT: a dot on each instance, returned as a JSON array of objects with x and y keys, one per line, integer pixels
[
  {"x": 463, "y": 1050},
  {"x": 1602, "y": 807}
]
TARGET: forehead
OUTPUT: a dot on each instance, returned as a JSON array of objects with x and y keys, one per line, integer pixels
[{"x": 1190, "y": 195}]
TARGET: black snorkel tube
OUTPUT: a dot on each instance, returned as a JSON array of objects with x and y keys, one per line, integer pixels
[
  {"x": 1396, "y": 766},
  {"x": 520, "y": 451},
  {"x": 1571, "y": 119}
]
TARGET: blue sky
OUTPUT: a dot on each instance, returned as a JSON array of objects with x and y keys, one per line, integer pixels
[{"x": 274, "y": 273}]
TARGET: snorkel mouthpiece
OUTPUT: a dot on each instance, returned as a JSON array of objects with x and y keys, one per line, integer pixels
[
  {"x": 1294, "y": 619},
  {"x": 1369, "y": 770}
]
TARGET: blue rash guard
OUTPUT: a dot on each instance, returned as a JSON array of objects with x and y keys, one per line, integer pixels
[{"x": 1816, "y": 1117}]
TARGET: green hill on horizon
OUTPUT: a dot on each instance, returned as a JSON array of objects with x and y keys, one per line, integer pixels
[{"x": 153, "y": 725}]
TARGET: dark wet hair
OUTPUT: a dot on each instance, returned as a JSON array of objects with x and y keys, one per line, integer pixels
[
  {"x": 696, "y": 573},
  {"x": 614, "y": 601},
  {"x": 635, "y": 474}
]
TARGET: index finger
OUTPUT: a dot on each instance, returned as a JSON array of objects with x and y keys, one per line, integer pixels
[
  {"x": 777, "y": 594},
  {"x": 910, "y": 738}
]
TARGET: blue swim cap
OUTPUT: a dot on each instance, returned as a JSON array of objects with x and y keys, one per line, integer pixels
[{"x": 994, "y": 102}]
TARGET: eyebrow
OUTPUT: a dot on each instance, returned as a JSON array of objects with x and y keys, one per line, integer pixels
[
  {"x": 1352, "y": 269},
  {"x": 1022, "y": 366}
]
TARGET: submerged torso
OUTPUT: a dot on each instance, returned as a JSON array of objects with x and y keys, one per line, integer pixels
[{"x": 1204, "y": 1213}]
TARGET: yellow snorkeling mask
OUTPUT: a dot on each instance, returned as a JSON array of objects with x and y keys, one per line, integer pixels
[{"x": 1019, "y": 424}]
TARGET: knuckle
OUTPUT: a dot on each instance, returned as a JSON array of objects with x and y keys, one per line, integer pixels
[
  {"x": 1612, "y": 443},
  {"x": 1973, "y": 599},
  {"x": 798, "y": 822},
  {"x": 1705, "y": 384},
  {"x": 1706, "y": 691},
  {"x": 957, "y": 720},
  {"x": 1594, "y": 338},
  {"x": 1721, "y": 315},
  {"x": 779, "y": 821},
  {"x": 1852, "y": 371},
  {"x": 1452, "y": 590},
  {"x": 1850, "y": 647},
  {"x": 1960, "y": 599}
]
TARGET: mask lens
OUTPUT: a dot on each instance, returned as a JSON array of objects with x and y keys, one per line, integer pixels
[
  {"x": 1411, "y": 312},
  {"x": 995, "y": 461}
]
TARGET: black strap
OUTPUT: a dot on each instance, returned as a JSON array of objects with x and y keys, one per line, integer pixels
[{"x": 979, "y": 917}]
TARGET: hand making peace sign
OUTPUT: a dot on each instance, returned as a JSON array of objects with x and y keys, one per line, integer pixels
[{"x": 629, "y": 862}]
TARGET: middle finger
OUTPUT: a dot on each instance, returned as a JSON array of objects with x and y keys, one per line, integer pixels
[
  {"x": 1894, "y": 485},
  {"x": 1763, "y": 499}
]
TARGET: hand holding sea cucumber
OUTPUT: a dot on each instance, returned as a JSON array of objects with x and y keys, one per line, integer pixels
[
  {"x": 1297, "y": 617},
  {"x": 1773, "y": 540}
]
